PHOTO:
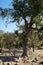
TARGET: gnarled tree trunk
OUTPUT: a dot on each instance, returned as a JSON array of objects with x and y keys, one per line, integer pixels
[
  {"x": 25, "y": 39},
  {"x": 24, "y": 45}
]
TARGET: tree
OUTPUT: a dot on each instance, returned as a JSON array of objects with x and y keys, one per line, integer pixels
[
  {"x": 40, "y": 34},
  {"x": 33, "y": 39},
  {"x": 2, "y": 43},
  {"x": 23, "y": 10},
  {"x": 9, "y": 39},
  {"x": 18, "y": 41}
]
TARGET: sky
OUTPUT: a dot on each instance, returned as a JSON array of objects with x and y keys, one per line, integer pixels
[{"x": 12, "y": 26}]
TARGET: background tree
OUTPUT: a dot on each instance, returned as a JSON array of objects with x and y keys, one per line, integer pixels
[
  {"x": 40, "y": 34},
  {"x": 2, "y": 43},
  {"x": 18, "y": 40},
  {"x": 33, "y": 39},
  {"x": 9, "y": 39}
]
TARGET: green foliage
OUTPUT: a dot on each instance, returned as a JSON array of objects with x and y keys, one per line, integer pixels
[
  {"x": 1, "y": 40},
  {"x": 18, "y": 44},
  {"x": 18, "y": 41},
  {"x": 9, "y": 39}
]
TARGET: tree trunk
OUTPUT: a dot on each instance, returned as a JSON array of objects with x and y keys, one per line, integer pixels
[
  {"x": 25, "y": 39},
  {"x": 24, "y": 45},
  {"x": 33, "y": 48}
]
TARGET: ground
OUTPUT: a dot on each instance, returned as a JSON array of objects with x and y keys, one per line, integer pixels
[{"x": 36, "y": 54}]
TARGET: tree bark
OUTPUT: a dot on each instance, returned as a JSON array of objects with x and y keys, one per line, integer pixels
[
  {"x": 24, "y": 50},
  {"x": 33, "y": 48},
  {"x": 24, "y": 37},
  {"x": 24, "y": 44}
]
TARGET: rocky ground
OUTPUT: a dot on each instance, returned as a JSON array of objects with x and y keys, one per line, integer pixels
[{"x": 36, "y": 53}]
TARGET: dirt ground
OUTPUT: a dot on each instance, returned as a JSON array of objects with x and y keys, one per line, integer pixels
[{"x": 36, "y": 53}]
